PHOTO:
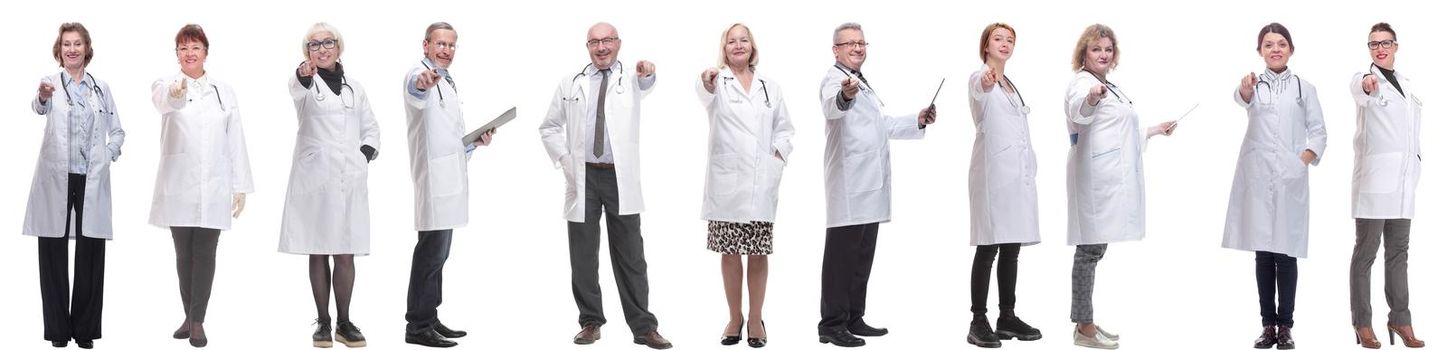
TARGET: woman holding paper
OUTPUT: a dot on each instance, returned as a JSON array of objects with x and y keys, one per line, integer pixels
[
  {"x": 1269, "y": 197},
  {"x": 204, "y": 173},
  {"x": 749, "y": 132},
  {"x": 1104, "y": 175},
  {"x": 1004, "y": 214},
  {"x": 326, "y": 211}
]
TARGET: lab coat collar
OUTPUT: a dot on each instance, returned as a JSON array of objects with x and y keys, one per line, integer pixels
[{"x": 87, "y": 81}]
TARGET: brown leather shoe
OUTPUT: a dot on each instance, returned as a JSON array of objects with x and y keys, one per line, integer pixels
[
  {"x": 588, "y": 335},
  {"x": 653, "y": 340},
  {"x": 1367, "y": 338},
  {"x": 1405, "y": 332}
]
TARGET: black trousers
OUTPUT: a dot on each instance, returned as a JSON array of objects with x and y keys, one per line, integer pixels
[
  {"x": 80, "y": 318},
  {"x": 848, "y": 258},
  {"x": 424, "y": 288},
  {"x": 195, "y": 268},
  {"x": 625, "y": 250},
  {"x": 980, "y": 278},
  {"x": 1276, "y": 272}
]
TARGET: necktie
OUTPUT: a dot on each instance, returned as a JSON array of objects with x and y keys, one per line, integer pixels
[{"x": 599, "y": 126}]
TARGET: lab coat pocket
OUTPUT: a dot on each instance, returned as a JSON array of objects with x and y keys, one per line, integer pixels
[
  {"x": 1106, "y": 172},
  {"x": 1382, "y": 172},
  {"x": 864, "y": 172},
  {"x": 444, "y": 175},
  {"x": 307, "y": 175},
  {"x": 723, "y": 177},
  {"x": 175, "y": 174}
]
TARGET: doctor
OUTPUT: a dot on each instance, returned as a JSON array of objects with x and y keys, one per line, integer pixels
[
  {"x": 326, "y": 211},
  {"x": 1104, "y": 175},
  {"x": 1270, "y": 195},
  {"x": 1384, "y": 185},
  {"x": 749, "y": 132},
  {"x": 1004, "y": 214},
  {"x": 70, "y": 196},
  {"x": 591, "y": 132},
  {"x": 856, "y": 185},
  {"x": 439, "y": 179},
  {"x": 204, "y": 173}
]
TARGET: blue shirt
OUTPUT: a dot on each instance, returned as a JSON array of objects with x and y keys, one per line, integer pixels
[
  {"x": 81, "y": 120},
  {"x": 595, "y": 77}
]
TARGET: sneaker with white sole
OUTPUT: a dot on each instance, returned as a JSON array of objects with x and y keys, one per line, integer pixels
[{"x": 1099, "y": 341}]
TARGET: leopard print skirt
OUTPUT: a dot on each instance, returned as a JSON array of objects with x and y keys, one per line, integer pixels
[{"x": 752, "y": 238}]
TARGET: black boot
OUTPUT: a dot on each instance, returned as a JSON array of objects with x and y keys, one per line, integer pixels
[
  {"x": 1267, "y": 338},
  {"x": 981, "y": 335},
  {"x": 1011, "y": 327}
]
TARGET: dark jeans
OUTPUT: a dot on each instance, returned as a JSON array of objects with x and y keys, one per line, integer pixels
[
  {"x": 980, "y": 278},
  {"x": 848, "y": 259},
  {"x": 424, "y": 289},
  {"x": 1276, "y": 272},
  {"x": 195, "y": 268},
  {"x": 625, "y": 249},
  {"x": 79, "y": 318}
]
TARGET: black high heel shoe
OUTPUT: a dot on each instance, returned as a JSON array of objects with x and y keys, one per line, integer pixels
[
  {"x": 733, "y": 339},
  {"x": 758, "y": 342}
]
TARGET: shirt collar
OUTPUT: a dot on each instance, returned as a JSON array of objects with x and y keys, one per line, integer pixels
[
  {"x": 613, "y": 69},
  {"x": 85, "y": 81},
  {"x": 1274, "y": 76},
  {"x": 433, "y": 65}
]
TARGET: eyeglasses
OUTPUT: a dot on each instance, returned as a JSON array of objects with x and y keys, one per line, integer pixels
[
  {"x": 604, "y": 41},
  {"x": 1383, "y": 44},
  {"x": 852, "y": 44},
  {"x": 190, "y": 49},
  {"x": 444, "y": 46},
  {"x": 318, "y": 45}
]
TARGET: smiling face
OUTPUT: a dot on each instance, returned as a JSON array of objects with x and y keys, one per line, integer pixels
[
  {"x": 72, "y": 50},
  {"x": 603, "y": 45},
  {"x": 850, "y": 48},
  {"x": 739, "y": 47},
  {"x": 1100, "y": 56},
  {"x": 1276, "y": 50},
  {"x": 1000, "y": 45},
  {"x": 323, "y": 57},
  {"x": 441, "y": 47},
  {"x": 192, "y": 56},
  {"x": 1384, "y": 55}
]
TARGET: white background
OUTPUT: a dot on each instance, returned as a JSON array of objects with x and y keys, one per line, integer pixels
[{"x": 508, "y": 276}]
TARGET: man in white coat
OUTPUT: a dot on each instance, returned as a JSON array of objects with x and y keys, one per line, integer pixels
[
  {"x": 856, "y": 185},
  {"x": 591, "y": 132},
  {"x": 439, "y": 180}
]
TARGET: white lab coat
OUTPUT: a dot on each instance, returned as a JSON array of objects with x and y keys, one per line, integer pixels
[
  {"x": 46, "y": 211},
  {"x": 1388, "y": 154},
  {"x": 1104, "y": 175},
  {"x": 562, "y": 130},
  {"x": 1270, "y": 196},
  {"x": 326, "y": 209},
  {"x": 856, "y": 153},
  {"x": 439, "y": 157},
  {"x": 1003, "y": 203},
  {"x": 746, "y": 128},
  {"x": 203, "y": 154}
]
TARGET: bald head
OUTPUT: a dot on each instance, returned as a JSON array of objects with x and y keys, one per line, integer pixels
[{"x": 603, "y": 44}]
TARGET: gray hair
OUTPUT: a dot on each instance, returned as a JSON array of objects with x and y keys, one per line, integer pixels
[
  {"x": 435, "y": 27},
  {"x": 846, "y": 26}
]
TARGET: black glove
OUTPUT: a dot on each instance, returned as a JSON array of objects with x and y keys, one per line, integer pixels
[{"x": 369, "y": 152}]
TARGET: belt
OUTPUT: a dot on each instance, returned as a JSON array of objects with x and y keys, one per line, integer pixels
[{"x": 600, "y": 165}]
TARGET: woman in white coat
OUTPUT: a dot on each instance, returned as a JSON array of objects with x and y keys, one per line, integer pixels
[
  {"x": 1004, "y": 214},
  {"x": 1384, "y": 186},
  {"x": 326, "y": 212},
  {"x": 1103, "y": 172},
  {"x": 204, "y": 173},
  {"x": 1269, "y": 197},
  {"x": 749, "y": 132},
  {"x": 70, "y": 196}
]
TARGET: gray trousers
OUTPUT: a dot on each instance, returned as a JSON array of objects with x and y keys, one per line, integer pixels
[
  {"x": 625, "y": 248},
  {"x": 195, "y": 268},
  {"x": 1370, "y": 233},
  {"x": 1082, "y": 282}
]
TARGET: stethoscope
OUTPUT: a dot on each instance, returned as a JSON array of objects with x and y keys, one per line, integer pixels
[
  {"x": 1109, "y": 87},
  {"x": 448, "y": 78},
  {"x": 1371, "y": 70},
  {"x": 866, "y": 83},
  {"x": 1268, "y": 101},
  {"x": 583, "y": 73},
  {"x": 323, "y": 97},
  {"x": 768, "y": 103},
  {"x": 94, "y": 88},
  {"x": 1024, "y": 108},
  {"x": 218, "y": 95}
]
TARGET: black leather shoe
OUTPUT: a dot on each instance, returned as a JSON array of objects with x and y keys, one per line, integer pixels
[
  {"x": 430, "y": 338},
  {"x": 864, "y": 330},
  {"x": 841, "y": 338},
  {"x": 58, "y": 343},
  {"x": 1011, "y": 327},
  {"x": 350, "y": 335},
  {"x": 733, "y": 339},
  {"x": 448, "y": 332},
  {"x": 1267, "y": 338},
  {"x": 322, "y": 337},
  {"x": 1283, "y": 338},
  {"x": 759, "y": 342},
  {"x": 85, "y": 343},
  {"x": 981, "y": 335}
]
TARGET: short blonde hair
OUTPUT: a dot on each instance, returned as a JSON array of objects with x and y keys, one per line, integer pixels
[
  {"x": 1092, "y": 33},
  {"x": 322, "y": 27},
  {"x": 985, "y": 37},
  {"x": 723, "y": 42}
]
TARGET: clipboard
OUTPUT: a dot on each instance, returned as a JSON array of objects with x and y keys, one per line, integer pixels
[{"x": 496, "y": 122}]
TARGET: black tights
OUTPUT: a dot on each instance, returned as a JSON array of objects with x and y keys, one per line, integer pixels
[
  {"x": 324, "y": 278},
  {"x": 980, "y": 278}
]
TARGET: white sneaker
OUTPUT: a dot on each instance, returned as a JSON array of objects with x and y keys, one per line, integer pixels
[
  {"x": 1100, "y": 341},
  {"x": 1108, "y": 335}
]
